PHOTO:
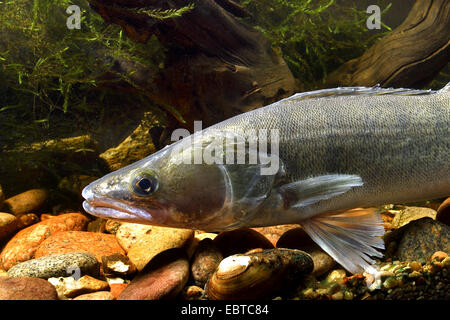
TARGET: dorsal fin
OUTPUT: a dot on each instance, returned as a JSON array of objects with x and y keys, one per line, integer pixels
[{"x": 357, "y": 91}]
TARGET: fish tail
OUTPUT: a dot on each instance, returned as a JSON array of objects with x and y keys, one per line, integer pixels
[{"x": 351, "y": 237}]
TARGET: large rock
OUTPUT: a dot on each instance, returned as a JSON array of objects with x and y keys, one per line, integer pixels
[
  {"x": 97, "y": 244},
  {"x": 26, "y": 289},
  {"x": 421, "y": 238},
  {"x": 24, "y": 244},
  {"x": 129, "y": 233},
  {"x": 59, "y": 265},
  {"x": 157, "y": 240},
  {"x": 162, "y": 279}
]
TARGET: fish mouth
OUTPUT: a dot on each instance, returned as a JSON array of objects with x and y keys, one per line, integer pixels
[{"x": 104, "y": 207}]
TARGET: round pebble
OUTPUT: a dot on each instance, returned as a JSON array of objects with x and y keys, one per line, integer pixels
[
  {"x": 8, "y": 224},
  {"x": 60, "y": 265},
  {"x": 205, "y": 261},
  {"x": 25, "y": 288},
  {"x": 443, "y": 212}
]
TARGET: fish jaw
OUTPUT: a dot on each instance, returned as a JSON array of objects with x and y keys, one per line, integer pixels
[{"x": 104, "y": 207}]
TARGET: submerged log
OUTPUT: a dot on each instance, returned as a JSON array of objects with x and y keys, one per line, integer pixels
[
  {"x": 409, "y": 56},
  {"x": 216, "y": 66}
]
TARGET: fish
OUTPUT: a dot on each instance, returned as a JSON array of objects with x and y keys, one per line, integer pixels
[{"x": 332, "y": 158}]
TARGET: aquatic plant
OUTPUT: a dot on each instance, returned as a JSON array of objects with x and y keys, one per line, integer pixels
[{"x": 314, "y": 36}]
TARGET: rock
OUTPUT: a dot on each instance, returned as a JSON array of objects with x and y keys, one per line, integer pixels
[
  {"x": 97, "y": 244},
  {"x": 112, "y": 226},
  {"x": 26, "y": 289},
  {"x": 205, "y": 235},
  {"x": 443, "y": 212},
  {"x": 69, "y": 287},
  {"x": 156, "y": 240},
  {"x": 298, "y": 239},
  {"x": 409, "y": 214},
  {"x": 128, "y": 233},
  {"x": 193, "y": 293},
  {"x": 74, "y": 184},
  {"x": 97, "y": 225},
  {"x": 118, "y": 265},
  {"x": 439, "y": 256},
  {"x": 99, "y": 295},
  {"x": 135, "y": 147},
  {"x": 25, "y": 202},
  {"x": 24, "y": 244},
  {"x": 26, "y": 220},
  {"x": 59, "y": 265},
  {"x": 274, "y": 233},
  {"x": 8, "y": 224},
  {"x": 117, "y": 288},
  {"x": 205, "y": 261},
  {"x": 162, "y": 279},
  {"x": 259, "y": 274},
  {"x": 421, "y": 238},
  {"x": 241, "y": 241}
]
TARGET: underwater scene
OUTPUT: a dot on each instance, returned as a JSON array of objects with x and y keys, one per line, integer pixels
[{"x": 268, "y": 150}]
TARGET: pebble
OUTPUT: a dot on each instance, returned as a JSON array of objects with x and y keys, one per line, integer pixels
[
  {"x": 97, "y": 225},
  {"x": 117, "y": 288},
  {"x": 336, "y": 276},
  {"x": 439, "y": 256},
  {"x": 205, "y": 261},
  {"x": 446, "y": 262},
  {"x": 274, "y": 233},
  {"x": 443, "y": 212},
  {"x": 157, "y": 240},
  {"x": 27, "y": 219},
  {"x": 68, "y": 287},
  {"x": 111, "y": 226},
  {"x": 128, "y": 233},
  {"x": 193, "y": 293},
  {"x": 415, "y": 265},
  {"x": 59, "y": 265},
  {"x": 205, "y": 235},
  {"x": 28, "y": 201},
  {"x": 99, "y": 295},
  {"x": 162, "y": 279},
  {"x": 241, "y": 241},
  {"x": 25, "y": 288},
  {"x": 97, "y": 244},
  {"x": 421, "y": 238},
  {"x": 409, "y": 214},
  {"x": 8, "y": 225},
  {"x": 297, "y": 238},
  {"x": 118, "y": 265},
  {"x": 24, "y": 244}
]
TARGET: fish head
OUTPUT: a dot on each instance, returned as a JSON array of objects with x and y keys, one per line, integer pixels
[{"x": 163, "y": 190}]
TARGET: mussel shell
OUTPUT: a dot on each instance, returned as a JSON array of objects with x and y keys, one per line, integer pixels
[{"x": 257, "y": 275}]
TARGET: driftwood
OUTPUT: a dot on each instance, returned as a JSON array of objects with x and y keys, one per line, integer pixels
[
  {"x": 409, "y": 56},
  {"x": 216, "y": 66}
]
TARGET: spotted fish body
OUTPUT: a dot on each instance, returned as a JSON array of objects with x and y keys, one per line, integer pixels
[{"x": 338, "y": 149}]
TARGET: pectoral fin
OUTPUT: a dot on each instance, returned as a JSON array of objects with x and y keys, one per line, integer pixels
[
  {"x": 350, "y": 237},
  {"x": 309, "y": 191}
]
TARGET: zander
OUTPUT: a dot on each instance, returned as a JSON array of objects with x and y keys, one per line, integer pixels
[{"x": 339, "y": 152}]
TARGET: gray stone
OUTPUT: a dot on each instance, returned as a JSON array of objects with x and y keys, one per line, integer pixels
[
  {"x": 421, "y": 238},
  {"x": 60, "y": 265}
]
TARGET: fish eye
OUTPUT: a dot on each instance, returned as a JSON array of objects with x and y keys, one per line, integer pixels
[{"x": 144, "y": 184}]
